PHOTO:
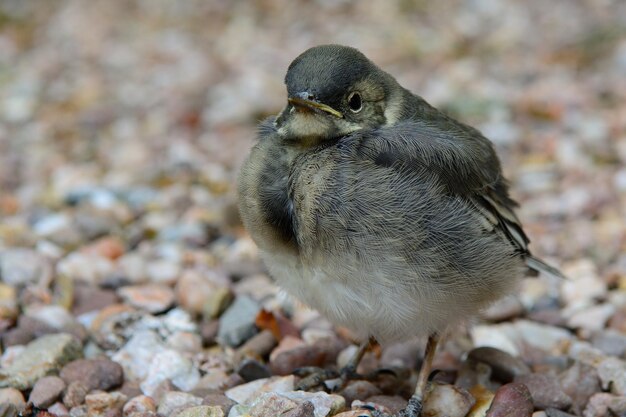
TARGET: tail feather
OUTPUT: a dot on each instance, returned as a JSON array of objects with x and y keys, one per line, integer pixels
[{"x": 540, "y": 266}]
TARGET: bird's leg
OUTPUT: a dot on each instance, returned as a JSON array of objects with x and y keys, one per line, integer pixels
[
  {"x": 414, "y": 407},
  {"x": 317, "y": 376}
]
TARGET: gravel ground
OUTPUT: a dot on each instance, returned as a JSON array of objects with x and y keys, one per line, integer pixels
[{"x": 128, "y": 286}]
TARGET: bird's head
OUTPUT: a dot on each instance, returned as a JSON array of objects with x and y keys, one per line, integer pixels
[{"x": 333, "y": 91}]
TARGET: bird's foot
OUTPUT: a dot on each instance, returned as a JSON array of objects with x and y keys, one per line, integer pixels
[
  {"x": 331, "y": 379},
  {"x": 413, "y": 409}
]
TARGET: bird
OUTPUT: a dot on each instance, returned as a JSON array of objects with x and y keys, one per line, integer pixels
[{"x": 387, "y": 215}]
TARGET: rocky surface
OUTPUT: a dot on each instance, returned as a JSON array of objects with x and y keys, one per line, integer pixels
[{"x": 129, "y": 288}]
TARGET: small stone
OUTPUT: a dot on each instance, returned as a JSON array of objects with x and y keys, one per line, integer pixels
[
  {"x": 40, "y": 358},
  {"x": 59, "y": 409},
  {"x": 323, "y": 403},
  {"x": 107, "y": 247},
  {"x": 92, "y": 269},
  {"x": 8, "y": 302},
  {"x": 101, "y": 374},
  {"x": 545, "y": 391},
  {"x": 600, "y": 403},
  {"x": 611, "y": 342},
  {"x": 504, "y": 366},
  {"x": 321, "y": 353},
  {"x": 243, "y": 393},
  {"x": 8, "y": 410},
  {"x": 219, "y": 400},
  {"x": 201, "y": 411},
  {"x": 214, "y": 379},
  {"x": 194, "y": 290},
  {"x": 75, "y": 394},
  {"x": 170, "y": 365},
  {"x": 583, "y": 284},
  {"x": 154, "y": 298},
  {"x": 137, "y": 354},
  {"x": 444, "y": 399},
  {"x": 139, "y": 404},
  {"x": 359, "y": 390},
  {"x": 612, "y": 373},
  {"x": 305, "y": 409},
  {"x": 79, "y": 411},
  {"x": 185, "y": 342},
  {"x": 271, "y": 404},
  {"x": 580, "y": 382},
  {"x": 553, "y": 412},
  {"x": 12, "y": 396},
  {"x": 259, "y": 345},
  {"x": 591, "y": 318},
  {"x": 176, "y": 400},
  {"x": 88, "y": 298},
  {"x": 46, "y": 391},
  {"x": 251, "y": 369},
  {"x": 21, "y": 266},
  {"x": 511, "y": 400},
  {"x": 237, "y": 324},
  {"x": 101, "y": 403}
]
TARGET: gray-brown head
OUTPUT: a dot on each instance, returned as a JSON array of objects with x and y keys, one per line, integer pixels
[{"x": 335, "y": 90}]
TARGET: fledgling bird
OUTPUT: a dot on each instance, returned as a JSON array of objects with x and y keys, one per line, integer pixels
[{"x": 386, "y": 215}]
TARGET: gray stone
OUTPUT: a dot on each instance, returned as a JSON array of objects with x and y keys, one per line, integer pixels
[
  {"x": 101, "y": 374},
  {"x": 41, "y": 357},
  {"x": 237, "y": 324},
  {"x": 545, "y": 390},
  {"x": 511, "y": 400},
  {"x": 504, "y": 366}
]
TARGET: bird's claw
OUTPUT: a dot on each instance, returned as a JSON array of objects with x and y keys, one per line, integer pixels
[{"x": 313, "y": 377}]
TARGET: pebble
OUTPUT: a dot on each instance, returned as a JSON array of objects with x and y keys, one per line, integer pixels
[
  {"x": 251, "y": 369},
  {"x": 219, "y": 400},
  {"x": 202, "y": 411},
  {"x": 100, "y": 374},
  {"x": 102, "y": 403},
  {"x": 270, "y": 404},
  {"x": 46, "y": 391},
  {"x": 580, "y": 382},
  {"x": 139, "y": 404},
  {"x": 324, "y": 404},
  {"x": 505, "y": 308},
  {"x": 394, "y": 404},
  {"x": 154, "y": 298},
  {"x": 359, "y": 390},
  {"x": 245, "y": 393},
  {"x": 610, "y": 342},
  {"x": 259, "y": 345},
  {"x": 504, "y": 366},
  {"x": 237, "y": 324},
  {"x": 12, "y": 396},
  {"x": 75, "y": 394},
  {"x": 170, "y": 365},
  {"x": 184, "y": 342},
  {"x": 284, "y": 361},
  {"x": 511, "y": 400},
  {"x": 176, "y": 400},
  {"x": 198, "y": 294},
  {"x": 583, "y": 284},
  {"x": 612, "y": 373},
  {"x": 545, "y": 391},
  {"x": 87, "y": 298},
  {"x": 601, "y": 404},
  {"x": 88, "y": 268},
  {"x": 22, "y": 266},
  {"x": 8, "y": 410},
  {"x": 305, "y": 409},
  {"x": 59, "y": 409},
  {"x": 445, "y": 399},
  {"x": 9, "y": 309},
  {"x": 591, "y": 318},
  {"x": 41, "y": 357}
]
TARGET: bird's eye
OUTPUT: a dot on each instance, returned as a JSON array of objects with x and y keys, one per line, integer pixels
[{"x": 355, "y": 102}]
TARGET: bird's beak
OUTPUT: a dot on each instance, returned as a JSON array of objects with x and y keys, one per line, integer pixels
[{"x": 313, "y": 105}]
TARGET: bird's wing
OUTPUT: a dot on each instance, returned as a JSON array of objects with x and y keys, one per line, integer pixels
[{"x": 464, "y": 162}]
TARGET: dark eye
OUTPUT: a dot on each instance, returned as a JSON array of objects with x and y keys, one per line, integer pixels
[{"x": 355, "y": 102}]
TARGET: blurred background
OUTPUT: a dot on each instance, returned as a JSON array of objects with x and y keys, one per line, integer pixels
[
  {"x": 163, "y": 97},
  {"x": 123, "y": 124}
]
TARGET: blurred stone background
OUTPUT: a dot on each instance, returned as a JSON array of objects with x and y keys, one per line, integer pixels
[{"x": 123, "y": 124}]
